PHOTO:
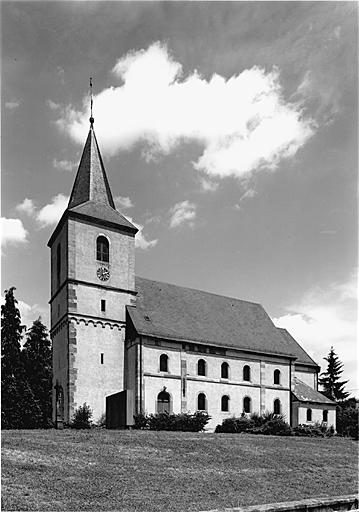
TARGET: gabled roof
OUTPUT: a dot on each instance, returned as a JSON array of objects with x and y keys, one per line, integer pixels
[
  {"x": 173, "y": 312},
  {"x": 91, "y": 182},
  {"x": 305, "y": 393},
  {"x": 104, "y": 214},
  {"x": 297, "y": 350}
]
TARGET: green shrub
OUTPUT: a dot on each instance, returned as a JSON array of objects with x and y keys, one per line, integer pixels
[
  {"x": 236, "y": 425},
  {"x": 184, "y": 422},
  {"x": 347, "y": 419},
  {"x": 141, "y": 421},
  {"x": 309, "y": 430},
  {"x": 82, "y": 417},
  {"x": 275, "y": 426}
]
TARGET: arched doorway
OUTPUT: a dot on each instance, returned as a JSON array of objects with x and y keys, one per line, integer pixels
[{"x": 163, "y": 402}]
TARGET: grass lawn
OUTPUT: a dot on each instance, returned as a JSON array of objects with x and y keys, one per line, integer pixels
[{"x": 101, "y": 470}]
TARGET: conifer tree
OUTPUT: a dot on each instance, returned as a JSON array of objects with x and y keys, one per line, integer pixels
[
  {"x": 333, "y": 387},
  {"x": 18, "y": 406},
  {"x": 37, "y": 360}
]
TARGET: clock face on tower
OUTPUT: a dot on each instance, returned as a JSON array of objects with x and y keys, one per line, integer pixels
[{"x": 103, "y": 273}]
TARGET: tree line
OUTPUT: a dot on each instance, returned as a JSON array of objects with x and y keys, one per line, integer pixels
[{"x": 26, "y": 371}]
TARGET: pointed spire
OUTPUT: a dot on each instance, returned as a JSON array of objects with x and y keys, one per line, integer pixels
[{"x": 91, "y": 182}]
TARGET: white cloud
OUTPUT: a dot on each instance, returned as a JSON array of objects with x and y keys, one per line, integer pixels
[
  {"x": 141, "y": 241},
  {"x": 326, "y": 318},
  {"x": 52, "y": 212},
  {"x": 123, "y": 203},
  {"x": 183, "y": 212},
  {"x": 27, "y": 206},
  {"x": 13, "y": 104},
  {"x": 12, "y": 231},
  {"x": 249, "y": 194},
  {"x": 242, "y": 123},
  {"x": 208, "y": 185},
  {"x": 53, "y": 105},
  {"x": 63, "y": 165}
]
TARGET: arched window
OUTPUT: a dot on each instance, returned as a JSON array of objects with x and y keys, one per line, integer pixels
[
  {"x": 201, "y": 367},
  {"x": 276, "y": 377},
  {"x": 58, "y": 264},
  {"x": 276, "y": 406},
  {"x": 163, "y": 363},
  {"x": 246, "y": 404},
  {"x": 225, "y": 403},
  {"x": 163, "y": 402},
  {"x": 246, "y": 373},
  {"x": 309, "y": 414},
  {"x": 325, "y": 416},
  {"x": 224, "y": 370},
  {"x": 102, "y": 249},
  {"x": 201, "y": 402}
]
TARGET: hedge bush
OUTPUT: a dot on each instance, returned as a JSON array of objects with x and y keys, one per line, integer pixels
[
  {"x": 184, "y": 422},
  {"x": 82, "y": 417}
]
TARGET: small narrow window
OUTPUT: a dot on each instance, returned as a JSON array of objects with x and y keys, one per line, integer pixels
[
  {"x": 224, "y": 370},
  {"x": 102, "y": 249},
  {"x": 246, "y": 404},
  {"x": 246, "y": 373},
  {"x": 163, "y": 363},
  {"x": 225, "y": 403},
  {"x": 276, "y": 377},
  {"x": 325, "y": 416},
  {"x": 201, "y": 402},
  {"x": 309, "y": 414},
  {"x": 58, "y": 264},
  {"x": 101, "y": 358},
  {"x": 201, "y": 367},
  {"x": 276, "y": 406},
  {"x": 103, "y": 305}
]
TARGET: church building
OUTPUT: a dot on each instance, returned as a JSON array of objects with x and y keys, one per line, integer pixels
[{"x": 140, "y": 345}]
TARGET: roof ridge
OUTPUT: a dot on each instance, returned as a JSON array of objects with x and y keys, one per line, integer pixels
[{"x": 198, "y": 290}]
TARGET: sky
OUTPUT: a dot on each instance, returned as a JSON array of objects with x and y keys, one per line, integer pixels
[{"x": 229, "y": 136}]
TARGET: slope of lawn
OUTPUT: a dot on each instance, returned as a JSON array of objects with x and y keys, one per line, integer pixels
[{"x": 101, "y": 470}]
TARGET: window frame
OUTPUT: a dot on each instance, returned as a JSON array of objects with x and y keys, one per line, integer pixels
[
  {"x": 326, "y": 414},
  {"x": 204, "y": 374},
  {"x": 100, "y": 252},
  {"x": 226, "y": 366},
  {"x": 309, "y": 415},
  {"x": 276, "y": 377},
  {"x": 163, "y": 357},
  {"x": 246, "y": 369},
  {"x": 248, "y": 400},
  {"x": 277, "y": 401},
  {"x": 169, "y": 402},
  {"x": 227, "y": 400},
  {"x": 201, "y": 394}
]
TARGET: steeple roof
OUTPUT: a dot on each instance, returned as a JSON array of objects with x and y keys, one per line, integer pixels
[{"x": 91, "y": 182}]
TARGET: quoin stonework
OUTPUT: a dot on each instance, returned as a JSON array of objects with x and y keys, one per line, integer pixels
[{"x": 146, "y": 346}]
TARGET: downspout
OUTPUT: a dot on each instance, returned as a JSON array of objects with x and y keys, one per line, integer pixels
[
  {"x": 290, "y": 394},
  {"x": 140, "y": 374}
]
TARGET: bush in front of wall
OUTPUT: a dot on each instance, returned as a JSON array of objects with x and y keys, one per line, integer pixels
[
  {"x": 184, "y": 422},
  {"x": 236, "y": 425},
  {"x": 275, "y": 426},
  {"x": 82, "y": 417}
]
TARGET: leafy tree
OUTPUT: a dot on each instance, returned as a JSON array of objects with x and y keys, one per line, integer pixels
[
  {"x": 37, "y": 361},
  {"x": 330, "y": 379},
  {"x": 18, "y": 405},
  {"x": 82, "y": 417}
]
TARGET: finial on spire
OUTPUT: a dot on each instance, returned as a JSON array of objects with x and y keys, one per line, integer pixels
[{"x": 91, "y": 102}]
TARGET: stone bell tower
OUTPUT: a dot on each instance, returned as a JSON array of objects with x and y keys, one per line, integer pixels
[{"x": 92, "y": 281}]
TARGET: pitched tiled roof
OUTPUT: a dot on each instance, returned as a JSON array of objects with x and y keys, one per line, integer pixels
[
  {"x": 305, "y": 393},
  {"x": 297, "y": 350},
  {"x": 91, "y": 181},
  {"x": 104, "y": 213},
  {"x": 173, "y": 312}
]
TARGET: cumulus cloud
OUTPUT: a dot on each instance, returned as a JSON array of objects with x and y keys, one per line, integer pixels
[
  {"x": 141, "y": 241},
  {"x": 12, "y": 231},
  {"x": 13, "y": 104},
  {"x": 63, "y": 165},
  {"x": 208, "y": 185},
  {"x": 52, "y": 212},
  {"x": 26, "y": 206},
  {"x": 326, "y": 318},
  {"x": 53, "y": 105},
  {"x": 183, "y": 212},
  {"x": 123, "y": 203},
  {"x": 242, "y": 123}
]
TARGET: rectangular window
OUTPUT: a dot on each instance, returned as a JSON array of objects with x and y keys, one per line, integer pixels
[
  {"x": 101, "y": 358},
  {"x": 103, "y": 305}
]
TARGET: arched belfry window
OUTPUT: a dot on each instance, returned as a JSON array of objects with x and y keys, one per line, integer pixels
[
  {"x": 164, "y": 363},
  {"x": 276, "y": 377},
  {"x": 201, "y": 367},
  {"x": 163, "y": 402},
  {"x": 246, "y": 404},
  {"x": 201, "y": 402},
  {"x": 225, "y": 371},
  {"x": 225, "y": 403},
  {"x": 102, "y": 249},
  {"x": 246, "y": 373},
  {"x": 276, "y": 406}
]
